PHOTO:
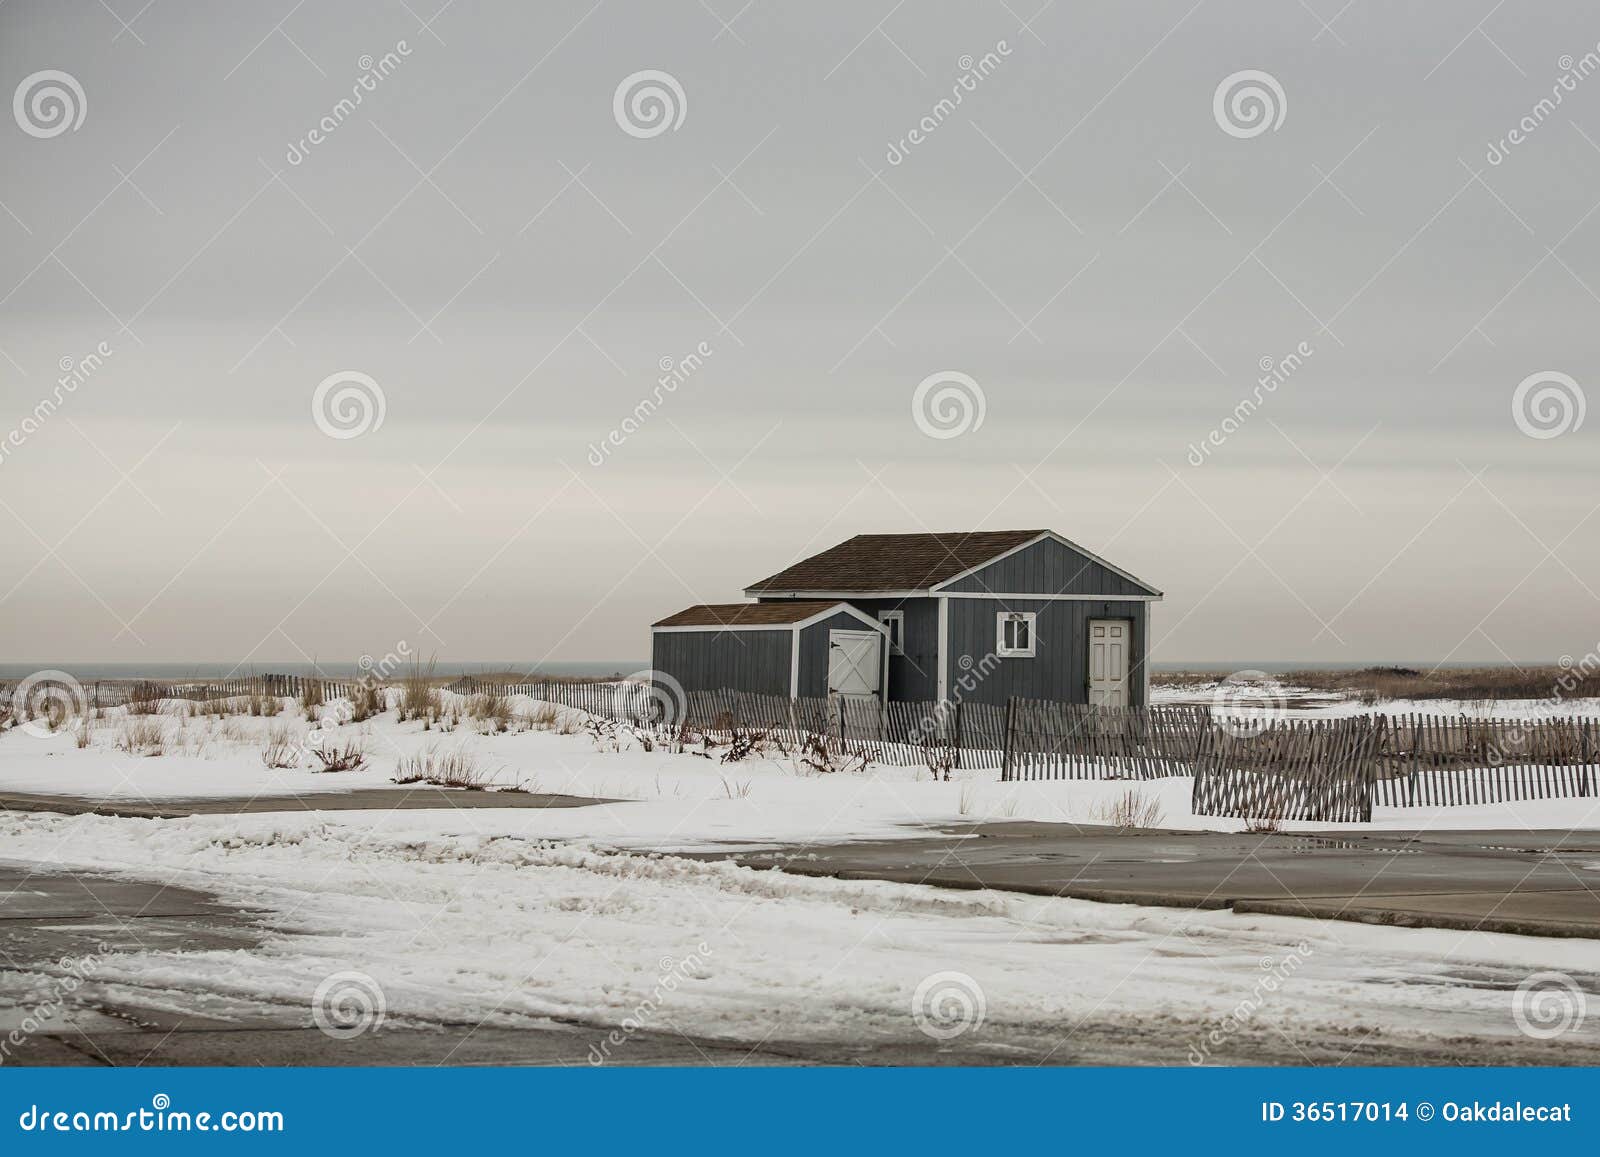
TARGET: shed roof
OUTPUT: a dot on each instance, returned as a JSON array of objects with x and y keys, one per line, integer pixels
[
  {"x": 784, "y": 614},
  {"x": 871, "y": 562}
]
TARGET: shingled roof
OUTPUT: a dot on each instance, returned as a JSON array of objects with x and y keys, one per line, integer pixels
[
  {"x": 748, "y": 614},
  {"x": 884, "y": 562}
]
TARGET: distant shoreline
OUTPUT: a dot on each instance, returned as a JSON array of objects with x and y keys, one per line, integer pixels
[{"x": 351, "y": 670}]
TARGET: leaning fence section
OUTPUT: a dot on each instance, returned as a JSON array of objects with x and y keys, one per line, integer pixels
[{"x": 1300, "y": 769}]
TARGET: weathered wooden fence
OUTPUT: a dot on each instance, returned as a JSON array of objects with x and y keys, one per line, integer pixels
[
  {"x": 1299, "y": 769},
  {"x": 1047, "y": 740},
  {"x": 1308, "y": 768},
  {"x": 116, "y": 693},
  {"x": 1431, "y": 760}
]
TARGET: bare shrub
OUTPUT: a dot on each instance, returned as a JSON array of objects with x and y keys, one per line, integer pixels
[
  {"x": 745, "y": 743},
  {"x": 419, "y": 698},
  {"x": 144, "y": 698},
  {"x": 491, "y": 709},
  {"x": 457, "y": 768},
  {"x": 604, "y": 732},
  {"x": 543, "y": 716},
  {"x": 143, "y": 737},
  {"x": 280, "y": 749},
  {"x": 350, "y": 757},
  {"x": 819, "y": 757},
  {"x": 366, "y": 700},
  {"x": 1130, "y": 809}
]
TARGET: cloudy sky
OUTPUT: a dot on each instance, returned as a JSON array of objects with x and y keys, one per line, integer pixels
[{"x": 509, "y": 248}]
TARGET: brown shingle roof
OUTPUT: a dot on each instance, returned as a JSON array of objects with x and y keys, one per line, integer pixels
[
  {"x": 747, "y": 614},
  {"x": 884, "y": 562}
]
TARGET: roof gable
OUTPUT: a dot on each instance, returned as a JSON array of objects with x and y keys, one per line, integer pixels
[{"x": 874, "y": 562}]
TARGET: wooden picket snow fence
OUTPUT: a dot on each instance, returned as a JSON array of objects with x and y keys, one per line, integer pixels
[
  {"x": 1300, "y": 769},
  {"x": 1048, "y": 740},
  {"x": 116, "y": 693},
  {"x": 902, "y": 734},
  {"x": 1430, "y": 760},
  {"x": 1329, "y": 770}
]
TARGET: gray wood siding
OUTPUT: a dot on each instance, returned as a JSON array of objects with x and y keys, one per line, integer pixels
[
  {"x": 814, "y": 651},
  {"x": 755, "y": 661},
  {"x": 1047, "y": 568},
  {"x": 1059, "y": 669},
  {"x": 915, "y": 675}
]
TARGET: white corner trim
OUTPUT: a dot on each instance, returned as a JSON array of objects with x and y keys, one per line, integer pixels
[
  {"x": 942, "y": 680},
  {"x": 794, "y": 663}
]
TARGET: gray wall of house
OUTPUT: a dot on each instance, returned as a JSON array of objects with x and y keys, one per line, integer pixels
[
  {"x": 1048, "y": 568},
  {"x": 814, "y": 651},
  {"x": 1059, "y": 669},
  {"x": 915, "y": 674},
  {"x": 755, "y": 661}
]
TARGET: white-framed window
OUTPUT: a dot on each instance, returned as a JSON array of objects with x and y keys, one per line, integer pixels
[
  {"x": 895, "y": 623},
  {"x": 1015, "y": 634}
]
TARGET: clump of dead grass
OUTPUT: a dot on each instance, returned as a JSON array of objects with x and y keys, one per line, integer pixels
[{"x": 1130, "y": 809}]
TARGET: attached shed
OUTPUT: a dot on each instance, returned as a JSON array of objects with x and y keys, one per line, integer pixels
[{"x": 798, "y": 647}]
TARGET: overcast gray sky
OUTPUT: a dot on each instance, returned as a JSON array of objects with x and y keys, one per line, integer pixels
[{"x": 1107, "y": 253}]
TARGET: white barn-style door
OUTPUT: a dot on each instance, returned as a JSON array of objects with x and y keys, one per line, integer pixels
[
  {"x": 1108, "y": 662},
  {"x": 854, "y": 663}
]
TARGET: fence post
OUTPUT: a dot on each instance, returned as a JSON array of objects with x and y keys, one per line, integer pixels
[
  {"x": 1005, "y": 754},
  {"x": 958, "y": 735},
  {"x": 1588, "y": 757}
]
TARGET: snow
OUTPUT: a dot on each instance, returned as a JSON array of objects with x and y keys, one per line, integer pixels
[
  {"x": 666, "y": 801},
  {"x": 511, "y": 931}
]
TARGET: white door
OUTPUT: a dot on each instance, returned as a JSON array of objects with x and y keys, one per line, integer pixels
[
  {"x": 854, "y": 661},
  {"x": 1108, "y": 662}
]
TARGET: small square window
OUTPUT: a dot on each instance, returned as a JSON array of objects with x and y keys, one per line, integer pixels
[
  {"x": 895, "y": 623},
  {"x": 1015, "y": 634}
]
